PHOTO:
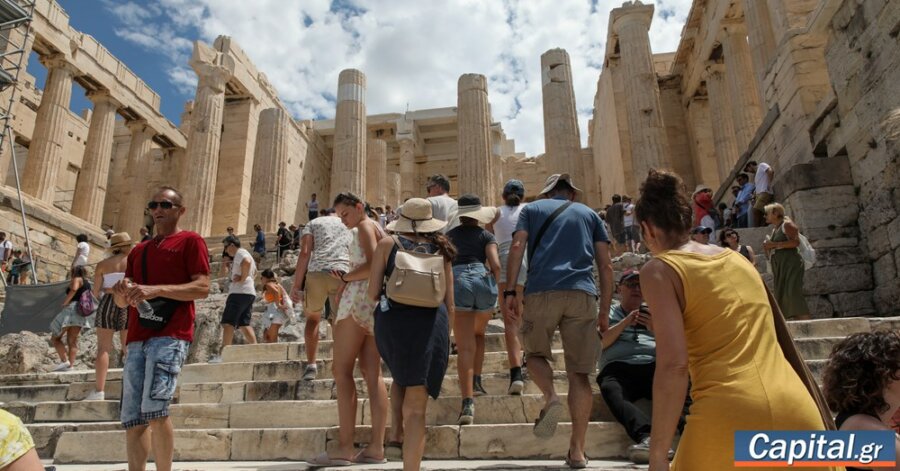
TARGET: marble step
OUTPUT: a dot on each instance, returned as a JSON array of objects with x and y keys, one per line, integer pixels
[
  {"x": 34, "y": 393},
  {"x": 507, "y": 441},
  {"x": 78, "y": 376},
  {"x": 46, "y": 435}
]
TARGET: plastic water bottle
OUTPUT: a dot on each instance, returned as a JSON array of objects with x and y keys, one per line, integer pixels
[{"x": 144, "y": 309}]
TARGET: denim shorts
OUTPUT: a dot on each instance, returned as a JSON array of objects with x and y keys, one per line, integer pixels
[
  {"x": 474, "y": 288},
  {"x": 148, "y": 379}
]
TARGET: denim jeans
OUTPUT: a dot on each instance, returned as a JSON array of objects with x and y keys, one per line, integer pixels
[
  {"x": 474, "y": 288},
  {"x": 149, "y": 379}
]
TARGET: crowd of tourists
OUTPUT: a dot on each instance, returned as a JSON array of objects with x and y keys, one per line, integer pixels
[{"x": 694, "y": 330}]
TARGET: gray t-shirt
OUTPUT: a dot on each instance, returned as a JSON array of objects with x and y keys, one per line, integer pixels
[
  {"x": 445, "y": 208},
  {"x": 635, "y": 346},
  {"x": 331, "y": 244}
]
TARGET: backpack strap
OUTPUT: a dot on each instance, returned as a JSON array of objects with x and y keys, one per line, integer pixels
[{"x": 543, "y": 229}]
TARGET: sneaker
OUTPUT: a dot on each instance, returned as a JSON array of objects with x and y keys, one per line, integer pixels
[
  {"x": 310, "y": 372},
  {"x": 640, "y": 453},
  {"x": 467, "y": 414},
  {"x": 64, "y": 366},
  {"x": 215, "y": 359},
  {"x": 96, "y": 396},
  {"x": 516, "y": 383},
  {"x": 478, "y": 388}
]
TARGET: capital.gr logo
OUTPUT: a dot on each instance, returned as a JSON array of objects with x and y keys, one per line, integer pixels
[{"x": 874, "y": 449}]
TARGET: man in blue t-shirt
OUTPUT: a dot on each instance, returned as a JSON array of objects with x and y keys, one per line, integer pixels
[
  {"x": 561, "y": 293},
  {"x": 743, "y": 200}
]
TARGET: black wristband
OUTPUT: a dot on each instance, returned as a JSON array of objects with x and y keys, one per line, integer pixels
[{"x": 508, "y": 293}]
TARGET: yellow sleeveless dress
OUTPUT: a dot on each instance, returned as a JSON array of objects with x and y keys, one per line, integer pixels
[{"x": 740, "y": 379}]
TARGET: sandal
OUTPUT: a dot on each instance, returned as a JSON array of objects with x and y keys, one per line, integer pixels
[
  {"x": 393, "y": 451},
  {"x": 576, "y": 464},
  {"x": 323, "y": 460},
  {"x": 362, "y": 459},
  {"x": 545, "y": 425}
]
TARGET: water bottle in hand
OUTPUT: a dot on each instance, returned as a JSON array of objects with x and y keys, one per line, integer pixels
[{"x": 144, "y": 309}]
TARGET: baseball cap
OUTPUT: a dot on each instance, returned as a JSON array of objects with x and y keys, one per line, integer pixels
[
  {"x": 514, "y": 187},
  {"x": 629, "y": 274},
  {"x": 703, "y": 229}
]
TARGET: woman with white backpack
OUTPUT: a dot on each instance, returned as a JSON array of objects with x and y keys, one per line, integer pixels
[{"x": 783, "y": 250}]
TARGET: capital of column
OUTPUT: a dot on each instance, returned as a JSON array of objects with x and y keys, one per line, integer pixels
[
  {"x": 59, "y": 62},
  {"x": 137, "y": 126},
  {"x": 212, "y": 76},
  {"x": 472, "y": 82},
  {"x": 98, "y": 97},
  {"x": 630, "y": 13},
  {"x": 406, "y": 140}
]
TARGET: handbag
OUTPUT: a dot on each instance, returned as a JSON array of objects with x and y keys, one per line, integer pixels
[
  {"x": 163, "y": 308},
  {"x": 793, "y": 356}
]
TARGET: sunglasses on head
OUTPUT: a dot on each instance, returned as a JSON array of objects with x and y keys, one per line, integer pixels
[{"x": 161, "y": 204}]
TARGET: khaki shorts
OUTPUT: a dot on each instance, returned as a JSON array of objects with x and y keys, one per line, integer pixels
[
  {"x": 318, "y": 287},
  {"x": 762, "y": 199},
  {"x": 574, "y": 312}
]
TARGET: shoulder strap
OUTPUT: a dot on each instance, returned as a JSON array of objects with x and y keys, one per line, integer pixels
[{"x": 543, "y": 229}]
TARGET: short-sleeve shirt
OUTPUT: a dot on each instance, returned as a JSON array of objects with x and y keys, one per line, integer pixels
[
  {"x": 635, "y": 346},
  {"x": 82, "y": 250},
  {"x": 313, "y": 206},
  {"x": 615, "y": 216},
  {"x": 331, "y": 244},
  {"x": 249, "y": 285},
  {"x": 628, "y": 215},
  {"x": 762, "y": 178},
  {"x": 445, "y": 208},
  {"x": 565, "y": 258},
  {"x": 470, "y": 242},
  {"x": 284, "y": 236},
  {"x": 5, "y": 247},
  {"x": 171, "y": 261}
]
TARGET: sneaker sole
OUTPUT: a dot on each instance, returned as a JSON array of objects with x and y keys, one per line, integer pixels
[
  {"x": 546, "y": 426},
  {"x": 515, "y": 389}
]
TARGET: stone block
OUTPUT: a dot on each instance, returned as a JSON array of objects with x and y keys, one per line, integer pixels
[
  {"x": 195, "y": 416},
  {"x": 79, "y": 391},
  {"x": 277, "y": 444},
  {"x": 46, "y": 436},
  {"x": 288, "y": 414},
  {"x": 255, "y": 352},
  {"x": 839, "y": 256},
  {"x": 878, "y": 242},
  {"x": 272, "y": 391},
  {"x": 441, "y": 441},
  {"x": 24, "y": 411},
  {"x": 887, "y": 298},
  {"x": 297, "y": 351},
  {"x": 198, "y": 393},
  {"x": 828, "y": 327},
  {"x": 280, "y": 371},
  {"x": 488, "y": 410},
  {"x": 834, "y": 206},
  {"x": 92, "y": 447},
  {"x": 817, "y": 348},
  {"x": 216, "y": 373},
  {"x": 819, "y": 307},
  {"x": 84, "y": 411},
  {"x": 828, "y": 280},
  {"x": 36, "y": 393},
  {"x": 321, "y": 389},
  {"x": 202, "y": 445},
  {"x": 516, "y": 441},
  {"x": 884, "y": 270},
  {"x": 819, "y": 173},
  {"x": 857, "y": 303}
]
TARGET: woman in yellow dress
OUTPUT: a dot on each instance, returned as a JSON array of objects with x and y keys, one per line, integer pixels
[{"x": 714, "y": 324}]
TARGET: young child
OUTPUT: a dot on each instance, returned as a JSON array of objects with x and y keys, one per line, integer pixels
[
  {"x": 279, "y": 307},
  {"x": 15, "y": 267}
]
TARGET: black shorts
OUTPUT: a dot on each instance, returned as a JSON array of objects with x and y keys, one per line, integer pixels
[{"x": 238, "y": 309}]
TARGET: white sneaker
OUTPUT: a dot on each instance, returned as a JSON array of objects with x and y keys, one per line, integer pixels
[
  {"x": 215, "y": 359},
  {"x": 64, "y": 366},
  {"x": 96, "y": 396}
]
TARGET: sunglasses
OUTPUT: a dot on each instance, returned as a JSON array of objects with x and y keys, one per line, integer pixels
[{"x": 160, "y": 204}]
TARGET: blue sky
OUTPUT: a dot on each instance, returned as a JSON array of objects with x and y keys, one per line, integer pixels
[{"x": 412, "y": 51}]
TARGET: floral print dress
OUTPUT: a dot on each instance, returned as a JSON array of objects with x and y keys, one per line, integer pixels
[{"x": 355, "y": 300}]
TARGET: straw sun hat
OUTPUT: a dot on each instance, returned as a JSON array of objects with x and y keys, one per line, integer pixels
[
  {"x": 120, "y": 239},
  {"x": 416, "y": 216},
  {"x": 470, "y": 207}
]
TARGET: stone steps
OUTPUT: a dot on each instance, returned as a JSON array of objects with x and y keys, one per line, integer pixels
[
  {"x": 46, "y": 435},
  {"x": 507, "y": 441}
]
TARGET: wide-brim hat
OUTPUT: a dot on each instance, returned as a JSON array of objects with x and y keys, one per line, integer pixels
[
  {"x": 700, "y": 188},
  {"x": 415, "y": 215},
  {"x": 470, "y": 206},
  {"x": 120, "y": 239},
  {"x": 554, "y": 179}
]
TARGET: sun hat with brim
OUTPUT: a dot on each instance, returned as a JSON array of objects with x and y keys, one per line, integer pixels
[
  {"x": 700, "y": 188},
  {"x": 554, "y": 179},
  {"x": 416, "y": 216},
  {"x": 121, "y": 239},
  {"x": 470, "y": 206}
]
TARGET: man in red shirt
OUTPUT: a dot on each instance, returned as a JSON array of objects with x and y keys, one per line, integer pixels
[{"x": 173, "y": 266}]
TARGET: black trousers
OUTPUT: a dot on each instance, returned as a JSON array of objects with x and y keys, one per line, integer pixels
[{"x": 621, "y": 385}]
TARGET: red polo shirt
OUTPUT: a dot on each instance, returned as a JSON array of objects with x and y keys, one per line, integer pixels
[{"x": 170, "y": 261}]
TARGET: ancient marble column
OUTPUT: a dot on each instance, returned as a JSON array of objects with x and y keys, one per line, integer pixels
[
  {"x": 268, "y": 191},
  {"x": 562, "y": 140},
  {"x": 742, "y": 89},
  {"x": 376, "y": 172},
  {"x": 721, "y": 118},
  {"x": 762, "y": 41},
  {"x": 46, "y": 152},
  {"x": 131, "y": 212},
  {"x": 90, "y": 189},
  {"x": 16, "y": 40},
  {"x": 647, "y": 134},
  {"x": 474, "y": 131},
  {"x": 393, "y": 190},
  {"x": 408, "y": 168},
  {"x": 348, "y": 167},
  {"x": 204, "y": 139}
]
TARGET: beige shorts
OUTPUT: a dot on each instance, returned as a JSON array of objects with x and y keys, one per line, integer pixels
[
  {"x": 318, "y": 287},
  {"x": 574, "y": 312},
  {"x": 762, "y": 199}
]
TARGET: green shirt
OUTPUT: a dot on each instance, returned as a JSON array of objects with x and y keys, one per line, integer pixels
[{"x": 635, "y": 346}]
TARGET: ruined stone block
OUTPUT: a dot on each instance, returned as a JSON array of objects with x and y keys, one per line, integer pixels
[
  {"x": 858, "y": 303},
  {"x": 827, "y": 280}
]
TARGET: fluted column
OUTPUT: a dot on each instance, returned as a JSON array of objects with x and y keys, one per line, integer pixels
[
  {"x": 348, "y": 167},
  {"x": 131, "y": 213},
  {"x": 742, "y": 88},
  {"x": 393, "y": 190},
  {"x": 16, "y": 40},
  {"x": 376, "y": 172},
  {"x": 407, "y": 168},
  {"x": 721, "y": 116},
  {"x": 204, "y": 140},
  {"x": 90, "y": 189},
  {"x": 474, "y": 131},
  {"x": 46, "y": 152},
  {"x": 562, "y": 140},
  {"x": 649, "y": 146},
  {"x": 762, "y": 41},
  {"x": 269, "y": 192}
]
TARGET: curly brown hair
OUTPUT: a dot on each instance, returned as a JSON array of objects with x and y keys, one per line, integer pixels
[
  {"x": 664, "y": 203},
  {"x": 859, "y": 369}
]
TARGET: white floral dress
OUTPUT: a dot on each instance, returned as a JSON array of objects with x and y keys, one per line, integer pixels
[
  {"x": 15, "y": 440},
  {"x": 355, "y": 301}
]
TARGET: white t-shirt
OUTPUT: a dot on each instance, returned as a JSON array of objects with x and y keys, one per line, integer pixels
[
  {"x": 249, "y": 285},
  {"x": 628, "y": 218},
  {"x": 445, "y": 208},
  {"x": 5, "y": 247},
  {"x": 762, "y": 178},
  {"x": 506, "y": 223},
  {"x": 82, "y": 252}
]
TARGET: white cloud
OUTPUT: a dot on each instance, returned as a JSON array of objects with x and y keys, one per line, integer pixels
[{"x": 411, "y": 51}]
